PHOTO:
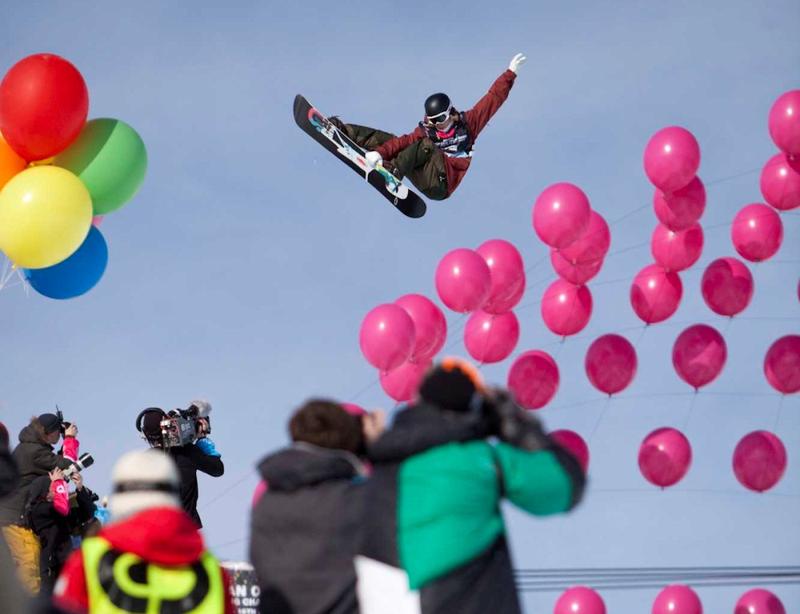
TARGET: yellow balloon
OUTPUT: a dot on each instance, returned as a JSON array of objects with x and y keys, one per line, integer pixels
[{"x": 45, "y": 214}]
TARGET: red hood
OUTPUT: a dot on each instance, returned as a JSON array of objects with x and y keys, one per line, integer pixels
[{"x": 162, "y": 535}]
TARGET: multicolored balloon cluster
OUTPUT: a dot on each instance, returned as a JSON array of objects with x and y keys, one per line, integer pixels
[{"x": 59, "y": 174}]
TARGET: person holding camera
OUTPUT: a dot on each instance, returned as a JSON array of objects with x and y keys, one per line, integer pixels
[
  {"x": 434, "y": 535},
  {"x": 34, "y": 457},
  {"x": 183, "y": 435}
]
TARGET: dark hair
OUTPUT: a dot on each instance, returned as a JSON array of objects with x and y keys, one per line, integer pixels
[
  {"x": 326, "y": 424},
  {"x": 3, "y": 437}
]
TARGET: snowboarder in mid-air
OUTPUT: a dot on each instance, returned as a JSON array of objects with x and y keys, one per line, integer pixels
[{"x": 436, "y": 155}]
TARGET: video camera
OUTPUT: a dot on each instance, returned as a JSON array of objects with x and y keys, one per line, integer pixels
[{"x": 178, "y": 427}]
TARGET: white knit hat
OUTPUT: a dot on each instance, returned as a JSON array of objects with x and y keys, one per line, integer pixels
[{"x": 143, "y": 479}]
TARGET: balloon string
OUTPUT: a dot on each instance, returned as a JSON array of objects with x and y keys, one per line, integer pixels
[
  {"x": 690, "y": 411},
  {"x": 599, "y": 419},
  {"x": 778, "y": 414}
]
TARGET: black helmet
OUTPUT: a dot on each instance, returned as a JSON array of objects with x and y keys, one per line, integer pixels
[{"x": 435, "y": 105}]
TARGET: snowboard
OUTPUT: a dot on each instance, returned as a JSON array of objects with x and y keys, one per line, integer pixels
[{"x": 316, "y": 125}]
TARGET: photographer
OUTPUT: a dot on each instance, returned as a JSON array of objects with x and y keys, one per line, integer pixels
[
  {"x": 433, "y": 520},
  {"x": 34, "y": 457},
  {"x": 183, "y": 435}
]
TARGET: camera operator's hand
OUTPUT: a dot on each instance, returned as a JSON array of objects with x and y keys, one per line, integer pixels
[
  {"x": 204, "y": 428},
  {"x": 56, "y": 474},
  {"x": 71, "y": 430},
  {"x": 373, "y": 425},
  {"x": 77, "y": 479}
]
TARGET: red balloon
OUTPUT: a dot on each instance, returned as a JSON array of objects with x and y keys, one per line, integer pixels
[
  {"x": 682, "y": 208},
  {"x": 491, "y": 338},
  {"x": 655, "y": 293},
  {"x": 784, "y": 122},
  {"x": 507, "y": 274},
  {"x": 665, "y": 456},
  {"x": 759, "y": 460},
  {"x": 387, "y": 337},
  {"x": 759, "y": 601},
  {"x": 580, "y": 600},
  {"x": 677, "y": 599},
  {"x": 566, "y": 308},
  {"x": 676, "y": 250},
  {"x": 402, "y": 383},
  {"x": 610, "y": 363},
  {"x": 780, "y": 182},
  {"x": 463, "y": 280},
  {"x": 757, "y": 232},
  {"x": 574, "y": 444},
  {"x": 533, "y": 379},
  {"x": 727, "y": 286},
  {"x": 592, "y": 245},
  {"x": 353, "y": 409},
  {"x": 43, "y": 105},
  {"x": 698, "y": 355},
  {"x": 430, "y": 326},
  {"x": 561, "y": 214},
  {"x": 782, "y": 364},
  {"x": 574, "y": 273},
  {"x": 671, "y": 158}
]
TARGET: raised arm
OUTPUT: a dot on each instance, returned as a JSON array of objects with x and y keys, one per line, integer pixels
[{"x": 479, "y": 115}]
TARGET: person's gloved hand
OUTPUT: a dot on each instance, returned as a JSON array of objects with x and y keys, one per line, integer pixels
[
  {"x": 517, "y": 61},
  {"x": 207, "y": 447},
  {"x": 373, "y": 158}
]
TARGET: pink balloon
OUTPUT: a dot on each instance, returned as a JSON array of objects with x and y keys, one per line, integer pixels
[
  {"x": 387, "y": 337},
  {"x": 727, "y": 286},
  {"x": 665, "y": 456},
  {"x": 353, "y": 409},
  {"x": 97, "y": 220},
  {"x": 610, "y": 363},
  {"x": 759, "y": 460},
  {"x": 463, "y": 280},
  {"x": 561, "y": 214},
  {"x": 574, "y": 444},
  {"x": 698, "y": 355},
  {"x": 682, "y": 208},
  {"x": 574, "y": 273},
  {"x": 533, "y": 379},
  {"x": 782, "y": 364},
  {"x": 757, "y": 232},
  {"x": 430, "y": 326},
  {"x": 671, "y": 158},
  {"x": 676, "y": 250},
  {"x": 491, "y": 338},
  {"x": 507, "y": 274},
  {"x": 566, "y": 308},
  {"x": 593, "y": 243},
  {"x": 402, "y": 383},
  {"x": 759, "y": 601},
  {"x": 655, "y": 293},
  {"x": 580, "y": 600},
  {"x": 677, "y": 599},
  {"x": 784, "y": 122},
  {"x": 780, "y": 182}
]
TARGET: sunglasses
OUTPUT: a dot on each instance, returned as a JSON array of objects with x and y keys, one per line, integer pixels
[{"x": 439, "y": 118}]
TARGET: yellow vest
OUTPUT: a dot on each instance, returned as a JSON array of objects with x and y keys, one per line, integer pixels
[{"x": 122, "y": 583}]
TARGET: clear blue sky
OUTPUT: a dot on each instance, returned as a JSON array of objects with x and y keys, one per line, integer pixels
[{"x": 241, "y": 271}]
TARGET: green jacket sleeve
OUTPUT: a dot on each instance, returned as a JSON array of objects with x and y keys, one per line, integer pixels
[{"x": 540, "y": 482}]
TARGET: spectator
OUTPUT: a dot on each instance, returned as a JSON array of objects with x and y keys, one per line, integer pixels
[
  {"x": 166, "y": 566},
  {"x": 434, "y": 537},
  {"x": 34, "y": 457},
  {"x": 13, "y": 597},
  {"x": 306, "y": 525}
]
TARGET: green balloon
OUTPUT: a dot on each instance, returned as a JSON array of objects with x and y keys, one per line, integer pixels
[{"x": 110, "y": 159}]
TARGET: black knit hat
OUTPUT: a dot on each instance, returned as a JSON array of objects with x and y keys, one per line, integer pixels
[
  {"x": 50, "y": 422},
  {"x": 451, "y": 386}
]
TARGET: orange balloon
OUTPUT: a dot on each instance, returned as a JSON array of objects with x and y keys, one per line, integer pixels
[{"x": 10, "y": 162}]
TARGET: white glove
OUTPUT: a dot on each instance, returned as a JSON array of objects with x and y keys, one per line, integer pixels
[
  {"x": 517, "y": 61},
  {"x": 373, "y": 158}
]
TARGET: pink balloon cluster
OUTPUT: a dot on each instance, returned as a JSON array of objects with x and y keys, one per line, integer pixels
[
  {"x": 579, "y": 239},
  {"x": 780, "y": 178}
]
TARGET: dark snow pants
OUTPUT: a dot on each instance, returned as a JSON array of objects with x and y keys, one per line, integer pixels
[{"x": 421, "y": 161}]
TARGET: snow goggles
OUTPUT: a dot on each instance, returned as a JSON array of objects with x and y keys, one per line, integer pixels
[{"x": 439, "y": 118}]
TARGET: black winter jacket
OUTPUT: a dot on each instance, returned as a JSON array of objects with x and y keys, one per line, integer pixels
[
  {"x": 190, "y": 459},
  {"x": 305, "y": 531}
]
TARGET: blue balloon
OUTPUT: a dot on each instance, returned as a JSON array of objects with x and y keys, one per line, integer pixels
[{"x": 77, "y": 274}]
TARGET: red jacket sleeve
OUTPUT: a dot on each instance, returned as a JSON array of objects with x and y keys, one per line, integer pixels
[
  {"x": 479, "y": 115},
  {"x": 70, "y": 593},
  {"x": 394, "y": 146},
  {"x": 60, "y": 497},
  {"x": 71, "y": 447}
]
